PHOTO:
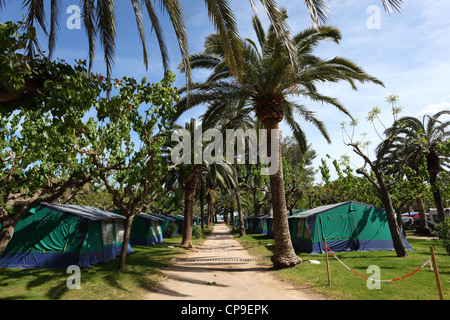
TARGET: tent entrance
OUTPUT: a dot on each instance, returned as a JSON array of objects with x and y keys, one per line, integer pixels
[{"x": 340, "y": 232}]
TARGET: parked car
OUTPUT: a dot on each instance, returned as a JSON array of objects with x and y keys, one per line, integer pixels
[{"x": 407, "y": 222}]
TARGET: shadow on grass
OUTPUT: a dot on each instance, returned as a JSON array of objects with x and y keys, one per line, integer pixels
[{"x": 142, "y": 268}]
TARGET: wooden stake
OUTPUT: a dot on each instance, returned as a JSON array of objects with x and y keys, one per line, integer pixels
[
  {"x": 436, "y": 273},
  {"x": 328, "y": 265}
]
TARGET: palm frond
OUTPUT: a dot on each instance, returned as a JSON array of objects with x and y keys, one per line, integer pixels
[
  {"x": 392, "y": 5},
  {"x": 221, "y": 15},
  {"x": 317, "y": 11},
  {"x": 90, "y": 25},
  {"x": 156, "y": 26},
  {"x": 174, "y": 9},
  {"x": 55, "y": 9}
]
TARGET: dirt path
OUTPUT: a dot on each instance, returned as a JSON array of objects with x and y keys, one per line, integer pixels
[{"x": 221, "y": 269}]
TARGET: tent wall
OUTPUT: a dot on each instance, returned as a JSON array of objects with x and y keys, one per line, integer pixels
[
  {"x": 145, "y": 232},
  {"x": 47, "y": 238},
  {"x": 346, "y": 227}
]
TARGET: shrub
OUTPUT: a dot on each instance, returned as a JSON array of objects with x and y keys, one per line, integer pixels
[
  {"x": 197, "y": 232},
  {"x": 171, "y": 230},
  {"x": 443, "y": 232}
]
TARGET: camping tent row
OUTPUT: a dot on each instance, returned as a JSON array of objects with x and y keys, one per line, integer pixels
[
  {"x": 261, "y": 224},
  {"x": 146, "y": 229},
  {"x": 347, "y": 226},
  {"x": 57, "y": 236}
]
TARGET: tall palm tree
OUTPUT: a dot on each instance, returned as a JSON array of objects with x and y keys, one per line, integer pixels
[
  {"x": 268, "y": 82},
  {"x": 99, "y": 20},
  {"x": 423, "y": 139}
]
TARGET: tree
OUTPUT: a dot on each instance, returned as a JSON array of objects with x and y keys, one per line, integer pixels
[
  {"x": 427, "y": 139},
  {"x": 268, "y": 82},
  {"x": 131, "y": 173},
  {"x": 377, "y": 177},
  {"x": 37, "y": 163}
]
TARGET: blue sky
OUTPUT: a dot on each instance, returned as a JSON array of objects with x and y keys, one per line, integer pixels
[{"x": 409, "y": 52}]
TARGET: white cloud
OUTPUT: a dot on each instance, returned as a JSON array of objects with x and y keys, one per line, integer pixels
[{"x": 432, "y": 109}]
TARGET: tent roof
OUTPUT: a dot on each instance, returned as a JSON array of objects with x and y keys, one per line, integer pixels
[
  {"x": 164, "y": 217},
  {"x": 148, "y": 216},
  {"x": 326, "y": 208},
  {"x": 82, "y": 211},
  {"x": 265, "y": 216}
]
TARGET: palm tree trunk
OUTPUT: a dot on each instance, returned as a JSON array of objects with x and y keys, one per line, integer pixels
[
  {"x": 189, "y": 193},
  {"x": 202, "y": 207},
  {"x": 433, "y": 167},
  {"x": 241, "y": 218},
  {"x": 284, "y": 256},
  {"x": 423, "y": 225}
]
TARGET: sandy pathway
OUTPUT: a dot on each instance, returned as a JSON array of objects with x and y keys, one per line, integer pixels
[{"x": 221, "y": 269}]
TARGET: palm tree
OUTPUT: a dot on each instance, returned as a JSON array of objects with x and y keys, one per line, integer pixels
[
  {"x": 99, "y": 20},
  {"x": 230, "y": 117},
  {"x": 423, "y": 139},
  {"x": 190, "y": 176},
  {"x": 268, "y": 82}
]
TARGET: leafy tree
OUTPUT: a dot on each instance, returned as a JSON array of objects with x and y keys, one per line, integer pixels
[
  {"x": 268, "y": 82},
  {"x": 37, "y": 162},
  {"x": 132, "y": 173}
]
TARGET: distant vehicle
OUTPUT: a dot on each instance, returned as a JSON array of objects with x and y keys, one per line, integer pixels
[
  {"x": 407, "y": 222},
  {"x": 434, "y": 218}
]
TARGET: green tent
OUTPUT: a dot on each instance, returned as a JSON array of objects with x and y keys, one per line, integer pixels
[
  {"x": 346, "y": 226},
  {"x": 146, "y": 230},
  {"x": 166, "y": 220},
  {"x": 57, "y": 236},
  {"x": 269, "y": 222}
]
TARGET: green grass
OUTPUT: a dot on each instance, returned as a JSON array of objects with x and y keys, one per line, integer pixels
[
  {"x": 99, "y": 282},
  {"x": 347, "y": 285}
]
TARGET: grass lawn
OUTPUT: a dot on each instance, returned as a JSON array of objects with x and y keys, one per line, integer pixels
[
  {"x": 99, "y": 282},
  {"x": 347, "y": 285}
]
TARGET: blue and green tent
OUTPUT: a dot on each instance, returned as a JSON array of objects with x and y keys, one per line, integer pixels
[
  {"x": 257, "y": 224},
  {"x": 146, "y": 230},
  {"x": 166, "y": 220},
  {"x": 57, "y": 236},
  {"x": 269, "y": 222},
  {"x": 346, "y": 226}
]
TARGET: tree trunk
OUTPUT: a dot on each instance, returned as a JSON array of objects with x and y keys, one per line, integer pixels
[
  {"x": 8, "y": 224},
  {"x": 188, "y": 217},
  {"x": 202, "y": 207},
  {"x": 397, "y": 239},
  {"x": 423, "y": 224},
  {"x": 284, "y": 256},
  {"x": 434, "y": 167},
  {"x": 241, "y": 218},
  {"x": 190, "y": 186},
  {"x": 126, "y": 241}
]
